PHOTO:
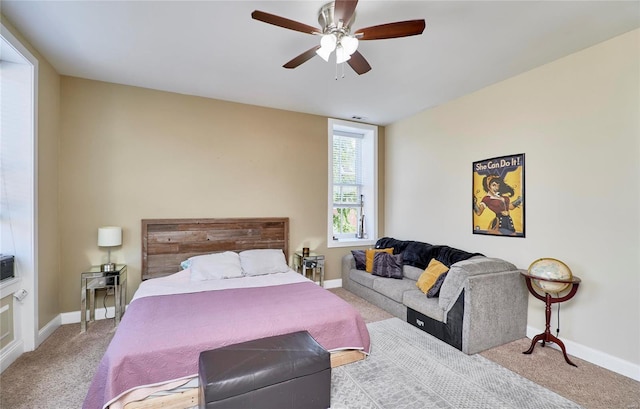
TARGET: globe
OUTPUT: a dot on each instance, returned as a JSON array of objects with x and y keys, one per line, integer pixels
[{"x": 550, "y": 268}]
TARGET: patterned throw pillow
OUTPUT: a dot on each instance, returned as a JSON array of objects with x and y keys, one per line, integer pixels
[
  {"x": 429, "y": 278},
  {"x": 359, "y": 257},
  {"x": 369, "y": 253},
  {"x": 387, "y": 265},
  {"x": 434, "y": 291}
]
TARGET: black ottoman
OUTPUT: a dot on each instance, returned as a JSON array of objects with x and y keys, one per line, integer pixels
[{"x": 285, "y": 371}]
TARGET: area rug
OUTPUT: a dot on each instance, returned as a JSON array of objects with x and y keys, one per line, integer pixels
[{"x": 408, "y": 368}]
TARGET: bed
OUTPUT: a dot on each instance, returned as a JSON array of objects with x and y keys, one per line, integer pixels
[{"x": 175, "y": 313}]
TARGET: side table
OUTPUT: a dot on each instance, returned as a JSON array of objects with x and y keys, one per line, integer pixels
[
  {"x": 312, "y": 263},
  {"x": 93, "y": 280}
]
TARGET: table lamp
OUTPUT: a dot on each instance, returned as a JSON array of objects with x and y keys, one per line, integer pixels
[{"x": 109, "y": 236}]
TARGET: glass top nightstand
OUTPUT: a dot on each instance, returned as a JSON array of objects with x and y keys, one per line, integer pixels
[
  {"x": 310, "y": 264},
  {"x": 94, "y": 279}
]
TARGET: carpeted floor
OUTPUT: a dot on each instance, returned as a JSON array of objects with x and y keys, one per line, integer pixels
[
  {"x": 58, "y": 373},
  {"x": 409, "y": 369},
  {"x": 589, "y": 385}
]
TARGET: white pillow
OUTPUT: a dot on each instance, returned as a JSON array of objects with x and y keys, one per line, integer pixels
[
  {"x": 264, "y": 261},
  {"x": 215, "y": 266}
]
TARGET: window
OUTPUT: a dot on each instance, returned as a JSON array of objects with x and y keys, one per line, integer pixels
[
  {"x": 353, "y": 196},
  {"x": 18, "y": 186}
]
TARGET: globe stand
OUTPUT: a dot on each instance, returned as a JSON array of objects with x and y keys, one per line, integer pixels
[{"x": 547, "y": 336}]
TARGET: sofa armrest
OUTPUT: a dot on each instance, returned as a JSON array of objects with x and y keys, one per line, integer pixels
[
  {"x": 461, "y": 271},
  {"x": 495, "y": 310},
  {"x": 348, "y": 263}
]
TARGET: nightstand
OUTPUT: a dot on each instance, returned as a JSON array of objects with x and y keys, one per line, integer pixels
[
  {"x": 93, "y": 280},
  {"x": 312, "y": 263}
]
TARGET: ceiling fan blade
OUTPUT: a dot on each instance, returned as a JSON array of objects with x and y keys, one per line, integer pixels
[
  {"x": 283, "y": 22},
  {"x": 343, "y": 10},
  {"x": 391, "y": 30},
  {"x": 358, "y": 63},
  {"x": 302, "y": 58}
]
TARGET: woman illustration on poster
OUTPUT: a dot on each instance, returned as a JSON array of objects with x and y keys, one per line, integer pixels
[{"x": 498, "y": 200}]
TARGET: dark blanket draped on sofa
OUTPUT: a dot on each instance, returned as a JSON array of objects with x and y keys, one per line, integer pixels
[{"x": 419, "y": 254}]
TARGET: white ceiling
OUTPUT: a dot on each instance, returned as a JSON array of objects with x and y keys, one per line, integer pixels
[{"x": 215, "y": 49}]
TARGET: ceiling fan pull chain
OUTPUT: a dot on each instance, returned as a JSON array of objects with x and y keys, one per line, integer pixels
[{"x": 341, "y": 65}]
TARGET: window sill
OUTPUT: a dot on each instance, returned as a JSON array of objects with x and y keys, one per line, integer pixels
[
  {"x": 9, "y": 286},
  {"x": 350, "y": 243}
]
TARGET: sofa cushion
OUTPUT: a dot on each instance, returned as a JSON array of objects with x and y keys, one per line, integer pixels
[
  {"x": 412, "y": 272},
  {"x": 460, "y": 271},
  {"x": 362, "y": 277},
  {"x": 387, "y": 265},
  {"x": 393, "y": 289},
  {"x": 417, "y": 301}
]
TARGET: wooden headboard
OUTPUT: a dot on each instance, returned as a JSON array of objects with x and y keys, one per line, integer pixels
[{"x": 168, "y": 242}]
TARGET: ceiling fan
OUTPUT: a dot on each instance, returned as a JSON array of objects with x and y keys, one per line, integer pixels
[{"x": 335, "y": 20}]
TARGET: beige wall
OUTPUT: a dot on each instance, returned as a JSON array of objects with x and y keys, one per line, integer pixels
[
  {"x": 129, "y": 153},
  {"x": 577, "y": 121},
  {"x": 48, "y": 115},
  {"x": 49, "y": 283}
]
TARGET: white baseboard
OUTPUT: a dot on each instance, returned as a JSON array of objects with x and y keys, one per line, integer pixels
[
  {"x": 333, "y": 283},
  {"x": 15, "y": 349},
  {"x": 10, "y": 353},
  {"x": 593, "y": 356},
  {"x": 48, "y": 329},
  {"x": 70, "y": 317},
  {"x": 73, "y": 317}
]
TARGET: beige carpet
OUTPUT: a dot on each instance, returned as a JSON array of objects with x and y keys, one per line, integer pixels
[
  {"x": 48, "y": 379},
  {"x": 57, "y": 375}
]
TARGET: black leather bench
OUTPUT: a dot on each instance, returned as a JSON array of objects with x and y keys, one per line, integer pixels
[{"x": 284, "y": 371}]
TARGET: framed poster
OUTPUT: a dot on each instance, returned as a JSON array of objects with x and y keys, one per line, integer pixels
[{"x": 498, "y": 196}]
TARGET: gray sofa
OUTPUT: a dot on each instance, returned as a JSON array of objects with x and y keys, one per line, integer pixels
[{"x": 482, "y": 301}]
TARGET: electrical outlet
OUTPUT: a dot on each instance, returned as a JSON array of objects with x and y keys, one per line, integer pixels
[{"x": 110, "y": 291}]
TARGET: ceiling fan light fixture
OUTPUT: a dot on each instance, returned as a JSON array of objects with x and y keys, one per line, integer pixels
[
  {"x": 349, "y": 44},
  {"x": 329, "y": 41},
  {"x": 324, "y": 53},
  {"x": 327, "y": 45},
  {"x": 341, "y": 55}
]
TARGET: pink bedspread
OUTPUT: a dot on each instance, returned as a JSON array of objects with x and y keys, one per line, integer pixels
[{"x": 160, "y": 338}]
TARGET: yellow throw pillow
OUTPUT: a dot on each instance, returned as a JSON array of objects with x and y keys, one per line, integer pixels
[
  {"x": 369, "y": 253},
  {"x": 430, "y": 275}
]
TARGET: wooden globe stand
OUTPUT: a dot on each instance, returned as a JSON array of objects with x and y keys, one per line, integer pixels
[{"x": 547, "y": 336}]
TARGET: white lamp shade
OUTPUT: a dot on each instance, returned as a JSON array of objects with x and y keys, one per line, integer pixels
[
  {"x": 329, "y": 42},
  {"x": 324, "y": 53},
  {"x": 109, "y": 236},
  {"x": 350, "y": 44},
  {"x": 327, "y": 45},
  {"x": 341, "y": 55}
]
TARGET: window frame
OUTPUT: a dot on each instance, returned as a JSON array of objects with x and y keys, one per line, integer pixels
[
  {"x": 22, "y": 82},
  {"x": 369, "y": 164}
]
